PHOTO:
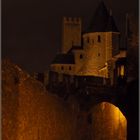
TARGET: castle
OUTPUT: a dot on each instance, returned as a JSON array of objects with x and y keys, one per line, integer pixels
[{"x": 94, "y": 53}]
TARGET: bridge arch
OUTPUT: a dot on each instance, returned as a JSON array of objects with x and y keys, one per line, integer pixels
[
  {"x": 108, "y": 122},
  {"x": 92, "y": 96}
]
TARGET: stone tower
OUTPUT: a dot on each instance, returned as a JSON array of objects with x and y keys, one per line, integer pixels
[
  {"x": 71, "y": 33},
  {"x": 101, "y": 44}
]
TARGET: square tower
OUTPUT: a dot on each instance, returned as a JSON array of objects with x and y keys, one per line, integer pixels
[{"x": 71, "y": 33}]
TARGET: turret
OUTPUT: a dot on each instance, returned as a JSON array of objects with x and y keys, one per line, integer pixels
[{"x": 101, "y": 43}]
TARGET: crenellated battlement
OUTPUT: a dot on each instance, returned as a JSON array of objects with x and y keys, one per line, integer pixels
[{"x": 72, "y": 20}]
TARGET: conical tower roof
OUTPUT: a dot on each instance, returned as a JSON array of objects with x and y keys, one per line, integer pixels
[
  {"x": 111, "y": 26},
  {"x": 102, "y": 21}
]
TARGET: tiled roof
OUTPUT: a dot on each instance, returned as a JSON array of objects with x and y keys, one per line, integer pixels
[
  {"x": 64, "y": 59},
  {"x": 75, "y": 48}
]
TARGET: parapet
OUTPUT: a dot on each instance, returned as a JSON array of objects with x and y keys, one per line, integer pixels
[{"x": 72, "y": 20}]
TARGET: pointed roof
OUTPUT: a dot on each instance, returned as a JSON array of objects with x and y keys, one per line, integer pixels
[
  {"x": 102, "y": 21},
  {"x": 111, "y": 26},
  {"x": 75, "y": 48}
]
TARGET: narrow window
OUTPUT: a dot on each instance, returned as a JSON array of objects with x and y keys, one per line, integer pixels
[
  {"x": 88, "y": 40},
  {"x": 81, "y": 56},
  {"x": 122, "y": 70},
  {"x": 69, "y": 67},
  {"x": 98, "y": 54},
  {"x": 62, "y": 68},
  {"x": 99, "y": 38}
]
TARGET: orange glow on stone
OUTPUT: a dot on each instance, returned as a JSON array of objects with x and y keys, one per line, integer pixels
[
  {"x": 122, "y": 70},
  {"x": 109, "y": 123}
]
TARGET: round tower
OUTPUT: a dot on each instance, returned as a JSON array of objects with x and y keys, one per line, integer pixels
[{"x": 101, "y": 43}]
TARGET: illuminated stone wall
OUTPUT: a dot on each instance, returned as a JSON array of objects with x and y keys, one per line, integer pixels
[
  {"x": 95, "y": 52},
  {"x": 29, "y": 112},
  {"x": 10, "y": 103},
  {"x": 66, "y": 68},
  {"x": 108, "y": 123},
  {"x": 100, "y": 49}
]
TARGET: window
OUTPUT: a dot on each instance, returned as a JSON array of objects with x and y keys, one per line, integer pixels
[
  {"x": 121, "y": 71},
  {"x": 62, "y": 68},
  {"x": 99, "y": 38},
  {"x": 69, "y": 67},
  {"x": 81, "y": 56},
  {"x": 98, "y": 54},
  {"x": 87, "y": 39}
]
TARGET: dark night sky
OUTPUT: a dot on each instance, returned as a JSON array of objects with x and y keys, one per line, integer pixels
[{"x": 31, "y": 29}]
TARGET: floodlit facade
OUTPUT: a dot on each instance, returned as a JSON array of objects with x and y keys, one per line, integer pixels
[{"x": 92, "y": 53}]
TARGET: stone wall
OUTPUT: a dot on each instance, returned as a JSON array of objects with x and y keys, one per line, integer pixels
[
  {"x": 108, "y": 123},
  {"x": 31, "y": 113}
]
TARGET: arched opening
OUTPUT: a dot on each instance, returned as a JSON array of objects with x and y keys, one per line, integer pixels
[{"x": 108, "y": 122}]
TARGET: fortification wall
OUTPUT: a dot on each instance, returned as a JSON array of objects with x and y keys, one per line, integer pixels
[{"x": 31, "y": 113}]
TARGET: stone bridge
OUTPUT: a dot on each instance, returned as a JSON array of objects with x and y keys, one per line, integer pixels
[
  {"x": 89, "y": 96},
  {"x": 91, "y": 91}
]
